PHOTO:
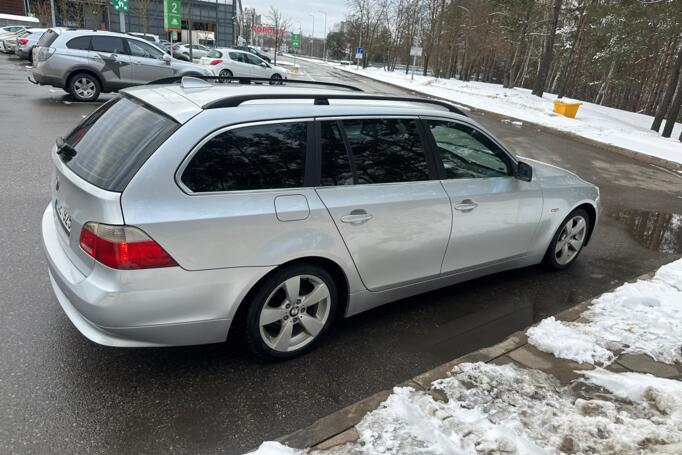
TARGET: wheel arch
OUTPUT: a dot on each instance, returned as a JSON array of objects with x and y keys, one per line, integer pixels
[
  {"x": 333, "y": 268},
  {"x": 592, "y": 213},
  {"x": 86, "y": 70}
]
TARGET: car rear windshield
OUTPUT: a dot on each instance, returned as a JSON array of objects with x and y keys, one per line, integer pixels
[
  {"x": 48, "y": 38},
  {"x": 214, "y": 54},
  {"x": 113, "y": 143}
]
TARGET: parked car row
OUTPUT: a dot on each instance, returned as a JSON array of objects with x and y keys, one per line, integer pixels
[{"x": 86, "y": 63}]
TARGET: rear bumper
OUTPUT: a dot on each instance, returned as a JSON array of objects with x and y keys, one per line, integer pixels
[{"x": 139, "y": 308}]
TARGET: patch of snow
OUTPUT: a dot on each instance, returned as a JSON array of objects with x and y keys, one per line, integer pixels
[
  {"x": 568, "y": 341},
  {"x": 617, "y": 127},
  {"x": 274, "y": 448},
  {"x": 664, "y": 394},
  {"x": 495, "y": 409},
  {"x": 638, "y": 318}
]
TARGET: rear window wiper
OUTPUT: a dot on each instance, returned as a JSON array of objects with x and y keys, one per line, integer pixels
[{"x": 65, "y": 151}]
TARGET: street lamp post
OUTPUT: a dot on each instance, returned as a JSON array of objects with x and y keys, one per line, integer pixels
[
  {"x": 312, "y": 38},
  {"x": 324, "y": 49}
]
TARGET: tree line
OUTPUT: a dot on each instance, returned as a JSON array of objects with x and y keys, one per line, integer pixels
[{"x": 625, "y": 54}]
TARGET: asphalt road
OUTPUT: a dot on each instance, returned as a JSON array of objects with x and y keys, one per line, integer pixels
[{"x": 60, "y": 393}]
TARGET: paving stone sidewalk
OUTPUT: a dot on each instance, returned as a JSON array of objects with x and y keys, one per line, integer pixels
[{"x": 339, "y": 427}]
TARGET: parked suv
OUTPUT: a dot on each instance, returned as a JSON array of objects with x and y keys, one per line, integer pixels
[
  {"x": 87, "y": 62},
  {"x": 182, "y": 212}
]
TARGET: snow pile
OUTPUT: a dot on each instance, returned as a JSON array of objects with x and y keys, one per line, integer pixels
[
  {"x": 637, "y": 318},
  {"x": 624, "y": 129},
  {"x": 491, "y": 409}
]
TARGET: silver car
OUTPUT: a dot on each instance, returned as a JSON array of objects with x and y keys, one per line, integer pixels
[
  {"x": 26, "y": 42},
  {"x": 88, "y": 62},
  {"x": 180, "y": 213}
]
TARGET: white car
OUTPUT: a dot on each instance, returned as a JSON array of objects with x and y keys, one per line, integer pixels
[{"x": 225, "y": 62}]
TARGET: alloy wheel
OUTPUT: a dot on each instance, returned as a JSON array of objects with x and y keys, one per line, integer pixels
[
  {"x": 84, "y": 87},
  {"x": 294, "y": 313},
  {"x": 571, "y": 240}
]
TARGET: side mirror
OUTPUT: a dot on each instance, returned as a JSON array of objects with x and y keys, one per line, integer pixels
[
  {"x": 167, "y": 59},
  {"x": 264, "y": 65},
  {"x": 524, "y": 171}
]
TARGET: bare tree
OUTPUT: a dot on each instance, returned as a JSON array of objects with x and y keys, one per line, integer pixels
[
  {"x": 669, "y": 92},
  {"x": 280, "y": 25},
  {"x": 143, "y": 10},
  {"x": 43, "y": 10},
  {"x": 546, "y": 59}
]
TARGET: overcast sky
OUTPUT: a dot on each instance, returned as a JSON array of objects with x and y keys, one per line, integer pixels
[{"x": 300, "y": 11}]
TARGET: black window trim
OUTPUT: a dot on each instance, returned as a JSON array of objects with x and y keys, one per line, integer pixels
[
  {"x": 434, "y": 147},
  {"x": 424, "y": 135},
  {"x": 195, "y": 149}
]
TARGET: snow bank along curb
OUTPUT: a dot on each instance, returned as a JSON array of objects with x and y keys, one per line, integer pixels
[
  {"x": 339, "y": 427},
  {"x": 666, "y": 164}
]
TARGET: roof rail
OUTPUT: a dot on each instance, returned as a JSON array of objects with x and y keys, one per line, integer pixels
[
  {"x": 256, "y": 80},
  {"x": 236, "y": 100}
]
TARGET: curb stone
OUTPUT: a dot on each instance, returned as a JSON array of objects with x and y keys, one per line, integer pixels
[
  {"x": 339, "y": 427},
  {"x": 644, "y": 158}
]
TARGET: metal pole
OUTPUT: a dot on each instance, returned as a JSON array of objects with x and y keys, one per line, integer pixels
[
  {"x": 324, "y": 48},
  {"x": 312, "y": 38},
  {"x": 54, "y": 21},
  {"x": 122, "y": 21}
]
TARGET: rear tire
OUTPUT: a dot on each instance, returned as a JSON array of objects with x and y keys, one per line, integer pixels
[
  {"x": 568, "y": 241},
  {"x": 290, "y": 312},
  {"x": 84, "y": 87},
  {"x": 224, "y": 74}
]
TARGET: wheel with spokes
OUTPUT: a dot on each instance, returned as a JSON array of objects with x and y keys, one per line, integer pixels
[
  {"x": 568, "y": 241},
  {"x": 291, "y": 311},
  {"x": 84, "y": 87},
  {"x": 224, "y": 74}
]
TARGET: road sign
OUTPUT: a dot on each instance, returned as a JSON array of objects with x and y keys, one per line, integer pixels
[
  {"x": 296, "y": 40},
  {"x": 120, "y": 6},
  {"x": 416, "y": 51},
  {"x": 360, "y": 50},
  {"x": 172, "y": 15}
]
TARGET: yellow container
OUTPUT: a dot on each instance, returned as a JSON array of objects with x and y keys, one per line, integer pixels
[{"x": 566, "y": 109}]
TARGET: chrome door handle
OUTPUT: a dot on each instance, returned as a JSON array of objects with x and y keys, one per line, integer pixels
[
  {"x": 467, "y": 205},
  {"x": 357, "y": 217}
]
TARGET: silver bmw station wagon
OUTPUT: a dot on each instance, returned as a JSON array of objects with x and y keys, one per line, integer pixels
[{"x": 182, "y": 211}]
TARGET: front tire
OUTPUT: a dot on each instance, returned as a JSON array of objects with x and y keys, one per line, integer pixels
[
  {"x": 568, "y": 241},
  {"x": 291, "y": 311},
  {"x": 84, "y": 87}
]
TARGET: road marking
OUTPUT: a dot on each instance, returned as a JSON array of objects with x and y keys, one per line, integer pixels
[{"x": 675, "y": 173}]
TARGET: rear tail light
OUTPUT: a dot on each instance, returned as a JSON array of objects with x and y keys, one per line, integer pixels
[
  {"x": 44, "y": 53},
  {"x": 123, "y": 247},
  {"x": 216, "y": 62},
  {"x": 22, "y": 40}
]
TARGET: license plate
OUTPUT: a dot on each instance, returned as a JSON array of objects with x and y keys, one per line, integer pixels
[{"x": 64, "y": 215}]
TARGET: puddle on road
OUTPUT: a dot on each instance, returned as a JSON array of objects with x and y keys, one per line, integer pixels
[{"x": 657, "y": 231}]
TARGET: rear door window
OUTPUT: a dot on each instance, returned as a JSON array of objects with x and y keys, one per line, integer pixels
[
  {"x": 386, "y": 150},
  {"x": 270, "y": 156},
  {"x": 115, "y": 141},
  {"x": 109, "y": 44},
  {"x": 336, "y": 164},
  {"x": 81, "y": 43}
]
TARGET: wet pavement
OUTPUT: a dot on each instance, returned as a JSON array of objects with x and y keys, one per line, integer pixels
[{"x": 61, "y": 393}]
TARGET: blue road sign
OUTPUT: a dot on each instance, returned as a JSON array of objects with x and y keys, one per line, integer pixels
[{"x": 360, "y": 50}]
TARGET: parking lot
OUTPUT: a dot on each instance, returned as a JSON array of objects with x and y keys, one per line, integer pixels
[{"x": 63, "y": 393}]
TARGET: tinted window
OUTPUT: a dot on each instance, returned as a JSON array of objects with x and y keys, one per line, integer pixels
[
  {"x": 386, "y": 150},
  {"x": 82, "y": 43},
  {"x": 110, "y": 44},
  {"x": 114, "y": 142},
  {"x": 467, "y": 152},
  {"x": 48, "y": 38},
  {"x": 250, "y": 158},
  {"x": 236, "y": 56},
  {"x": 252, "y": 59},
  {"x": 139, "y": 49},
  {"x": 336, "y": 168},
  {"x": 214, "y": 54}
]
